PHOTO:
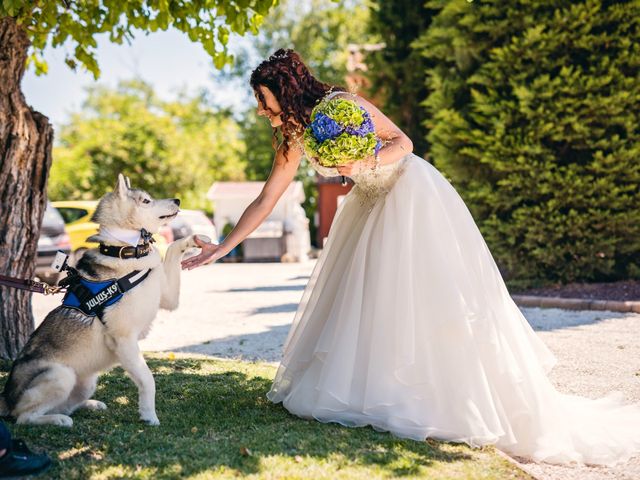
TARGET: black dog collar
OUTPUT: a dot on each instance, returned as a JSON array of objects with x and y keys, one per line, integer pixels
[{"x": 124, "y": 253}]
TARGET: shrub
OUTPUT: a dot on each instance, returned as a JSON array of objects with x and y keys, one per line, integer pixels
[{"x": 535, "y": 117}]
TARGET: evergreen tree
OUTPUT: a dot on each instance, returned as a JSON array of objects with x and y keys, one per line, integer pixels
[
  {"x": 535, "y": 107},
  {"x": 398, "y": 71}
]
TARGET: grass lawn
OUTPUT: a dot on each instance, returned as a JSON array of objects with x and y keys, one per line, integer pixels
[{"x": 217, "y": 423}]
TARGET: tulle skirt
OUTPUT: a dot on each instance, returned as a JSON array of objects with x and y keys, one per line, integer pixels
[{"x": 406, "y": 325}]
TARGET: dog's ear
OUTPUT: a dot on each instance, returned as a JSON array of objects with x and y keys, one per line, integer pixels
[
  {"x": 126, "y": 179},
  {"x": 121, "y": 187}
]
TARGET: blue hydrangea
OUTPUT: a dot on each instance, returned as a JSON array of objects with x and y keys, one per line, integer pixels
[
  {"x": 365, "y": 127},
  {"x": 378, "y": 147},
  {"x": 325, "y": 128}
]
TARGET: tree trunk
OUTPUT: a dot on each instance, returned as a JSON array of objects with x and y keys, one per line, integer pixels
[{"x": 25, "y": 158}]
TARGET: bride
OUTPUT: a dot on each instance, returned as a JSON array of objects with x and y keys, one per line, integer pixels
[{"x": 406, "y": 324}]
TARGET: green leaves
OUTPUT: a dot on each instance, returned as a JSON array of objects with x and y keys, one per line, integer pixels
[
  {"x": 537, "y": 124},
  {"x": 208, "y": 22},
  {"x": 320, "y": 30},
  {"x": 11, "y": 8},
  {"x": 168, "y": 148}
]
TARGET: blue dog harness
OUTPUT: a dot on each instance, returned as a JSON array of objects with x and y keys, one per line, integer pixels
[{"x": 91, "y": 297}]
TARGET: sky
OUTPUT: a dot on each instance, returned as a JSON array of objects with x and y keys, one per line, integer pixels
[{"x": 166, "y": 60}]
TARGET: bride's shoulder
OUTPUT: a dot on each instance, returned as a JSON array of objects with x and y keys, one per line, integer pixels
[
  {"x": 342, "y": 94},
  {"x": 354, "y": 97}
]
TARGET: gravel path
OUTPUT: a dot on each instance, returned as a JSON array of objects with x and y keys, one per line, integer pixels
[{"x": 244, "y": 311}]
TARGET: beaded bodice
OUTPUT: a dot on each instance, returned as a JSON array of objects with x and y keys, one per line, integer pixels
[{"x": 370, "y": 185}]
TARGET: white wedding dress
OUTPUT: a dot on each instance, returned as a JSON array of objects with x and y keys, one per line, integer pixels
[{"x": 406, "y": 325}]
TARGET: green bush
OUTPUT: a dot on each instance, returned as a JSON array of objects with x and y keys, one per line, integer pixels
[
  {"x": 168, "y": 148},
  {"x": 397, "y": 72},
  {"x": 534, "y": 116}
]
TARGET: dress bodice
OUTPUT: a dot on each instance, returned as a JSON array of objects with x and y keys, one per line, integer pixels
[{"x": 370, "y": 185}]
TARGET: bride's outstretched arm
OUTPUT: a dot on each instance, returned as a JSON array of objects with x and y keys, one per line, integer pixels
[
  {"x": 396, "y": 144},
  {"x": 282, "y": 173}
]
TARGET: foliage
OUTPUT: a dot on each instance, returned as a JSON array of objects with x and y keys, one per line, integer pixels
[
  {"x": 398, "y": 71},
  {"x": 77, "y": 23},
  {"x": 257, "y": 135},
  {"x": 320, "y": 30},
  {"x": 170, "y": 149},
  {"x": 535, "y": 110},
  {"x": 217, "y": 423}
]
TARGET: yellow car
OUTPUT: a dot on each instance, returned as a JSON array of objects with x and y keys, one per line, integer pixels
[{"x": 77, "y": 218}]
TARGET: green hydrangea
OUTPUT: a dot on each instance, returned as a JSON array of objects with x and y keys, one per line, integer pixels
[
  {"x": 342, "y": 150},
  {"x": 346, "y": 148},
  {"x": 345, "y": 112}
]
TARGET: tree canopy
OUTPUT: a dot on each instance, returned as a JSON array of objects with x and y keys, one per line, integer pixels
[
  {"x": 167, "y": 148},
  {"x": 77, "y": 23},
  {"x": 320, "y": 30}
]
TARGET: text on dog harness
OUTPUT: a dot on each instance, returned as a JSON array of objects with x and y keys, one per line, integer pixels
[{"x": 92, "y": 297}]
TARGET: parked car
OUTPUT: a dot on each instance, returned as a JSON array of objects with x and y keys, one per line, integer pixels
[
  {"x": 53, "y": 237},
  {"x": 77, "y": 217},
  {"x": 190, "y": 222}
]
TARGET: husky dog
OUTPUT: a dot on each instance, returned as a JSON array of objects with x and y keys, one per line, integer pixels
[{"x": 57, "y": 370}]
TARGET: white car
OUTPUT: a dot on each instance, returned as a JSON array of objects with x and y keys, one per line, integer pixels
[{"x": 190, "y": 222}]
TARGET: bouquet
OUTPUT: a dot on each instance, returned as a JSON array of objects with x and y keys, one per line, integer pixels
[{"x": 341, "y": 132}]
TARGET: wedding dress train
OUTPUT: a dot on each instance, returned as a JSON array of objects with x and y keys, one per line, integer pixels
[{"x": 406, "y": 325}]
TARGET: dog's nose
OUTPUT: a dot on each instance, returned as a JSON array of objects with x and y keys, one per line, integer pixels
[{"x": 176, "y": 201}]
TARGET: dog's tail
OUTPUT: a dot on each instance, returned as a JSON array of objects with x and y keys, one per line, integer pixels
[{"x": 4, "y": 408}]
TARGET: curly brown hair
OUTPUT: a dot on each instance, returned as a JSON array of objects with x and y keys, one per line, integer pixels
[{"x": 294, "y": 86}]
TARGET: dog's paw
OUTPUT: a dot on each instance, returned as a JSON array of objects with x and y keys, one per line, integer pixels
[
  {"x": 192, "y": 240},
  {"x": 150, "y": 419},
  {"x": 60, "y": 420},
  {"x": 189, "y": 246},
  {"x": 94, "y": 405}
]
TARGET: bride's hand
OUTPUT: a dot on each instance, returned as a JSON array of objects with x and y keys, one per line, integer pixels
[
  {"x": 210, "y": 253},
  {"x": 355, "y": 167}
]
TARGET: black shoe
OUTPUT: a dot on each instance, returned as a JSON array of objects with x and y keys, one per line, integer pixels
[
  {"x": 18, "y": 445},
  {"x": 20, "y": 461}
]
